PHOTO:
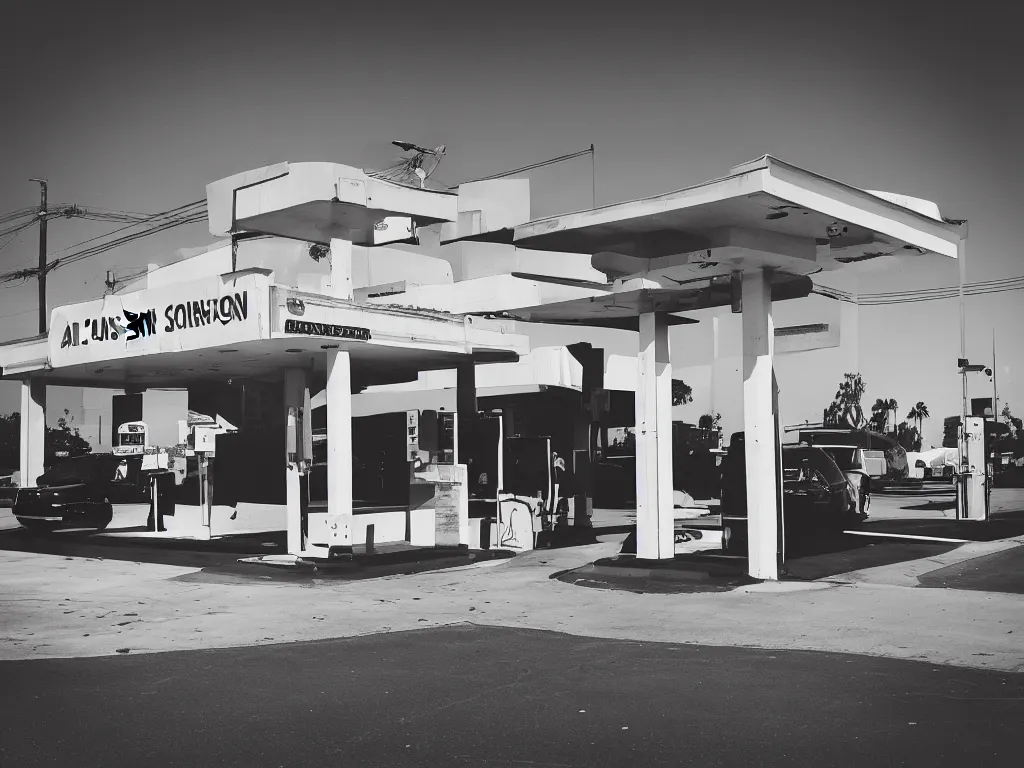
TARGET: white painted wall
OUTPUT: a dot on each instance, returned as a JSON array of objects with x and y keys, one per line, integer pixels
[{"x": 161, "y": 410}]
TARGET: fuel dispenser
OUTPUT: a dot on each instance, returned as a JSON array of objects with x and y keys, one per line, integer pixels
[
  {"x": 529, "y": 498},
  {"x": 511, "y": 482},
  {"x": 299, "y": 456},
  {"x": 200, "y": 440},
  {"x": 972, "y": 477},
  {"x": 436, "y": 479}
]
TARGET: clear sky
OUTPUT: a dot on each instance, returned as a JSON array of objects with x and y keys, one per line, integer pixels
[{"x": 137, "y": 106}]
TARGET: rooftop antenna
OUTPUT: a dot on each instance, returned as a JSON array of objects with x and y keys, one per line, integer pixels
[{"x": 411, "y": 170}]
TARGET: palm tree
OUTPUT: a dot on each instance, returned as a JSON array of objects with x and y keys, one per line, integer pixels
[
  {"x": 880, "y": 412},
  {"x": 879, "y": 415},
  {"x": 919, "y": 413}
]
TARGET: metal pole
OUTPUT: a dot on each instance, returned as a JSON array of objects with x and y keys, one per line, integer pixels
[
  {"x": 42, "y": 254},
  {"x": 995, "y": 389},
  {"x": 962, "y": 485},
  {"x": 593, "y": 178},
  {"x": 962, "y": 264}
]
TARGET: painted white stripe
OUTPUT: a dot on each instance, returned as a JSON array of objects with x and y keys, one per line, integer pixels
[{"x": 907, "y": 536}]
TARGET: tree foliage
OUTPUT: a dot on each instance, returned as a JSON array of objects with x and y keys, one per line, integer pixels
[
  {"x": 908, "y": 437},
  {"x": 880, "y": 413},
  {"x": 851, "y": 390},
  {"x": 710, "y": 421},
  {"x": 682, "y": 392},
  {"x": 63, "y": 440},
  {"x": 918, "y": 414}
]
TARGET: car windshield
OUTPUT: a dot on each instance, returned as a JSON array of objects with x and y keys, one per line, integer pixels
[
  {"x": 839, "y": 437},
  {"x": 845, "y": 458},
  {"x": 817, "y": 459}
]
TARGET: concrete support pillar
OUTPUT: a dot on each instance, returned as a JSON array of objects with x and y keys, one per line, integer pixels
[
  {"x": 295, "y": 400},
  {"x": 341, "y": 269},
  {"x": 33, "y": 430},
  {"x": 339, "y": 451},
  {"x": 760, "y": 423},
  {"x": 655, "y": 538},
  {"x": 585, "y": 433},
  {"x": 465, "y": 407}
]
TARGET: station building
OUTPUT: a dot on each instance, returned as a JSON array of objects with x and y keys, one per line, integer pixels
[{"x": 333, "y": 286}]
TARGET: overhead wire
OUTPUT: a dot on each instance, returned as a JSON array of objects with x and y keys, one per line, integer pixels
[
  {"x": 18, "y": 214},
  {"x": 979, "y": 288},
  {"x": 188, "y": 213},
  {"x": 532, "y": 166}
]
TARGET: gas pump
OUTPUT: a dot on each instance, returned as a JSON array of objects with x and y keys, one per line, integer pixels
[
  {"x": 972, "y": 478},
  {"x": 529, "y": 497},
  {"x": 300, "y": 459},
  {"x": 201, "y": 441},
  {"x": 436, "y": 479}
]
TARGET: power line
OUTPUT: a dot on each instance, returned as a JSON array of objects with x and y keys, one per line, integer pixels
[
  {"x": 588, "y": 151},
  {"x": 925, "y": 294},
  {"x": 18, "y": 214},
  {"x": 103, "y": 247},
  {"x": 130, "y": 226},
  {"x": 190, "y": 213},
  {"x": 15, "y": 314}
]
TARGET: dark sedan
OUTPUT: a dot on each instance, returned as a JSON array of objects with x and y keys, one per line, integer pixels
[
  {"x": 816, "y": 494},
  {"x": 79, "y": 492}
]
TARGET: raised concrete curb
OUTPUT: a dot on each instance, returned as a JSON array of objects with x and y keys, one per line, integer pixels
[{"x": 906, "y": 574}]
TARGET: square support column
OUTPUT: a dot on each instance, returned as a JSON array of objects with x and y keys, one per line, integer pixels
[
  {"x": 339, "y": 451},
  {"x": 760, "y": 423},
  {"x": 341, "y": 269},
  {"x": 33, "y": 431},
  {"x": 465, "y": 408},
  {"x": 585, "y": 432},
  {"x": 295, "y": 397},
  {"x": 655, "y": 519}
]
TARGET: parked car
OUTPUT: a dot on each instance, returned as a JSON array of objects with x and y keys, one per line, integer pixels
[
  {"x": 8, "y": 487},
  {"x": 816, "y": 494},
  {"x": 884, "y": 459},
  {"x": 852, "y": 462},
  {"x": 934, "y": 464},
  {"x": 79, "y": 492}
]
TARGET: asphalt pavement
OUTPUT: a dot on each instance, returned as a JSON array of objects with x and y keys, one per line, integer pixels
[
  {"x": 998, "y": 572},
  {"x": 479, "y": 696}
]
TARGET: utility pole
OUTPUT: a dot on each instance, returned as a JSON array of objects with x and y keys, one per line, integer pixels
[
  {"x": 995, "y": 388},
  {"x": 42, "y": 254}
]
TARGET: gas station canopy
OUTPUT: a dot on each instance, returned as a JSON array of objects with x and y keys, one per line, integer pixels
[
  {"x": 318, "y": 202},
  {"x": 242, "y": 325},
  {"x": 819, "y": 223},
  {"x": 621, "y": 309}
]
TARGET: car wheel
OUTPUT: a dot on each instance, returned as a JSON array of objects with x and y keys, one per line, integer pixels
[
  {"x": 37, "y": 526},
  {"x": 103, "y": 516}
]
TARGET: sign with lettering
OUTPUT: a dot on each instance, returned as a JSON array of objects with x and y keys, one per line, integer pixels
[
  {"x": 326, "y": 329},
  {"x": 171, "y": 318}
]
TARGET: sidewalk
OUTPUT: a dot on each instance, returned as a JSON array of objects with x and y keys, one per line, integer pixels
[{"x": 53, "y": 606}]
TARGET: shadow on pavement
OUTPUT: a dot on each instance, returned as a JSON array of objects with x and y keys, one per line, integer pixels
[
  {"x": 179, "y": 552},
  {"x": 1000, "y": 525},
  {"x": 217, "y": 560},
  {"x": 808, "y": 558},
  {"x": 998, "y": 572}
]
